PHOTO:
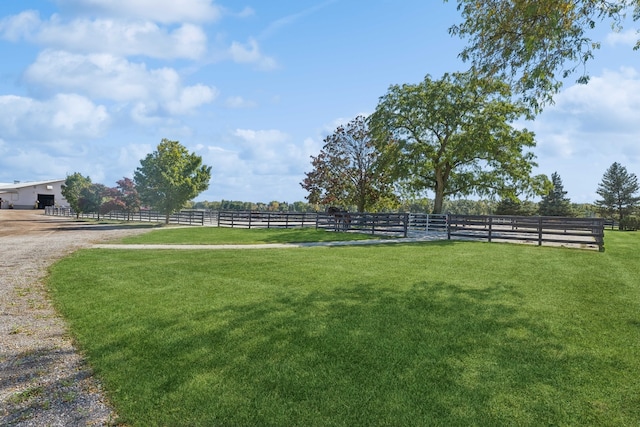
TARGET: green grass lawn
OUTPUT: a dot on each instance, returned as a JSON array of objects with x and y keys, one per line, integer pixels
[
  {"x": 225, "y": 236},
  {"x": 441, "y": 333}
]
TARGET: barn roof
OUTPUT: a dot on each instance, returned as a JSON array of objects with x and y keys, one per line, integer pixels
[{"x": 23, "y": 184}]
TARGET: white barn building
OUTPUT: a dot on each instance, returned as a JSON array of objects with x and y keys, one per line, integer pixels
[{"x": 32, "y": 194}]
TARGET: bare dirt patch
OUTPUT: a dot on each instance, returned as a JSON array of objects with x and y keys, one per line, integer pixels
[{"x": 43, "y": 378}]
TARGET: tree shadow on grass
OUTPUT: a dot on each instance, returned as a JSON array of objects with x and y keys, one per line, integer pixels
[{"x": 436, "y": 354}]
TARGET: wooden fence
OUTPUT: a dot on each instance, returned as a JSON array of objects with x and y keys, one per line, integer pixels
[
  {"x": 249, "y": 219},
  {"x": 584, "y": 232},
  {"x": 581, "y": 232},
  {"x": 187, "y": 217},
  {"x": 370, "y": 223}
]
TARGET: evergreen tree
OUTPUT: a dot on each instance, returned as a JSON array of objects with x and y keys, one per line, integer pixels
[
  {"x": 508, "y": 206},
  {"x": 555, "y": 202},
  {"x": 618, "y": 190}
]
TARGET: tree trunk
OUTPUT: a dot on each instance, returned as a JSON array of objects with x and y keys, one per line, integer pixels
[
  {"x": 439, "y": 190},
  {"x": 437, "y": 203}
]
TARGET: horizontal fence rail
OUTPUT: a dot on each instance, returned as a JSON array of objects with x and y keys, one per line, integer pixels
[
  {"x": 371, "y": 223},
  {"x": 249, "y": 219},
  {"x": 574, "y": 231},
  {"x": 187, "y": 217},
  {"x": 428, "y": 222},
  {"x": 582, "y": 232}
]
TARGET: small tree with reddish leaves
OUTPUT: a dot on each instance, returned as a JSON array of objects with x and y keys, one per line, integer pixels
[
  {"x": 128, "y": 196},
  {"x": 349, "y": 171}
]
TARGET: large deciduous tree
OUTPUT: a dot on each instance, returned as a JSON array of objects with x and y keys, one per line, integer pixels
[
  {"x": 454, "y": 136},
  {"x": 555, "y": 202},
  {"x": 170, "y": 176},
  {"x": 618, "y": 190},
  {"x": 349, "y": 170},
  {"x": 72, "y": 190},
  {"x": 536, "y": 43}
]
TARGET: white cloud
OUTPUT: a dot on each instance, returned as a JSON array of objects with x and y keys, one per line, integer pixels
[
  {"x": 122, "y": 38},
  {"x": 63, "y": 116},
  {"x": 271, "y": 152},
  {"x": 190, "y": 98},
  {"x": 110, "y": 77},
  {"x": 126, "y": 38},
  {"x": 590, "y": 127},
  {"x": 608, "y": 104},
  {"x": 19, "y": 26},
  {"x": 246, "y": 12},
  {"x": 165, "y": 11},
  {"x": 261, "y": 136},
  {"x": 250, "y": 54},
  {"x": 626, "y": 38},
  {"x": 228, "y": 183},
  {"x": 239, "y": 102},
  {"x": 30, "y": 164}
]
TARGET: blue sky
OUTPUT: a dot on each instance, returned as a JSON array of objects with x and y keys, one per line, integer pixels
[{"x": 92, "y": 86}]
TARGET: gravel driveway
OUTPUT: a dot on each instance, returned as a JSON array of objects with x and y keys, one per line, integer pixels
[{"x": 43, "y": 379}]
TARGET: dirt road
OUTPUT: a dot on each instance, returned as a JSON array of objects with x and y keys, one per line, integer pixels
[{"x": 43, "y": 379}]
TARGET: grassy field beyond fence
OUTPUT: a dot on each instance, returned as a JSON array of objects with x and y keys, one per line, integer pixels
[{"x": 440, "y": 333}]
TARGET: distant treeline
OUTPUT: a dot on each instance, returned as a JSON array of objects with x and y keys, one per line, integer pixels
[{"x": 458, "y": 207}]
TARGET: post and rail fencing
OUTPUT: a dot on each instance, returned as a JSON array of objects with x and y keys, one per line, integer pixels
[
  {"x": 584, "y": 232},
  {"x": 186, "y": 217},
  {"x": 259, "y": 219},
  {"x": 371, "y": 223},
  {"x": 581, "y": 232}
]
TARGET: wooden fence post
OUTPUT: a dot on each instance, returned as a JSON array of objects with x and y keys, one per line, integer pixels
[
  {"x": 406, "y": 224},
  {"x": 539, "y": 231},
  {"x": 490, "y": 226}
]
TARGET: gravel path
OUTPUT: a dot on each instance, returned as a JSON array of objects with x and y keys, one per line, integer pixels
[{"x": 43, "y": 379}]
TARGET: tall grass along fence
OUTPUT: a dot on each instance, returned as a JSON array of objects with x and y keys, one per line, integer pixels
[{"x": 584, "y": 232}]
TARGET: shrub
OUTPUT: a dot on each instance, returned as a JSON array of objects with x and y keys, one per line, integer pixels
[{"x": 630, "y": 223}]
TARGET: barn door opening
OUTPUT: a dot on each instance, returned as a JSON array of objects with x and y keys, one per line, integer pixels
[{"x": 45, "y": 200}]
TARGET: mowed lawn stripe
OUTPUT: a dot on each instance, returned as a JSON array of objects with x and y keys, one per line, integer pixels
[{"x": 441, "y": 333}]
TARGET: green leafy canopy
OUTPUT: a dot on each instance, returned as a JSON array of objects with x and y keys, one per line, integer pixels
[
  {"x": 171, "y": 176},
  {"x": 535, "y": 44},
  {"x": 454, "y": 136}
]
